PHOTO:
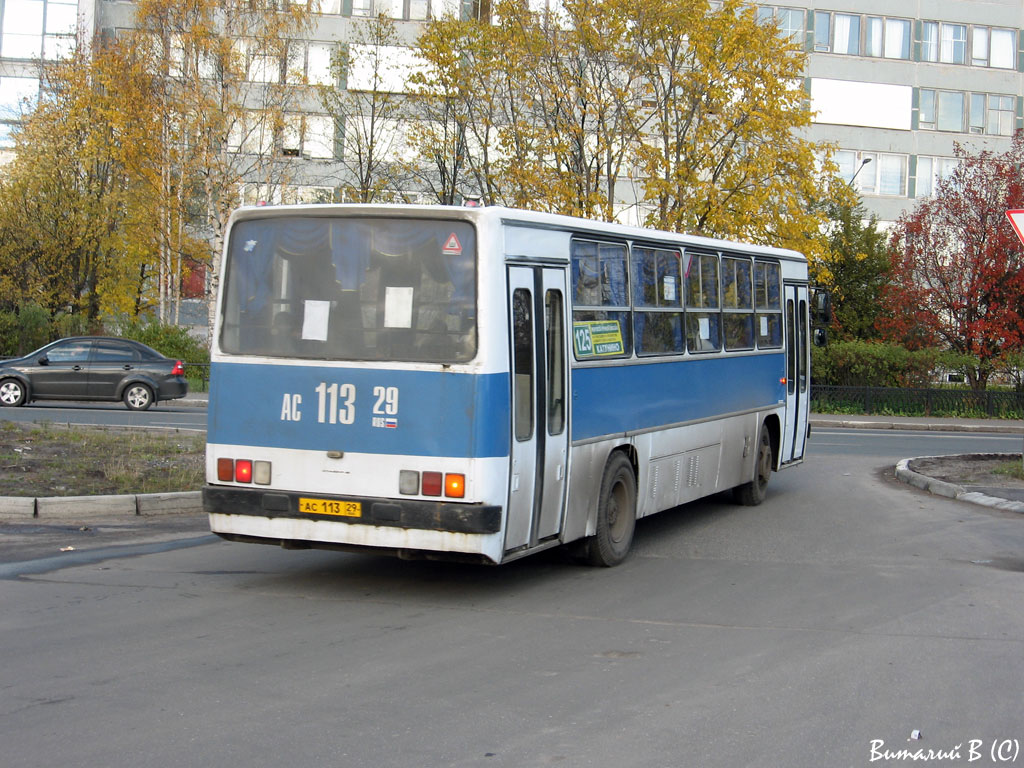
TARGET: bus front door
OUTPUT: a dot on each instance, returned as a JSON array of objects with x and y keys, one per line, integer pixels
[
  {"x": 540, "y": 434},
  {"x": 798, "y": 375}
]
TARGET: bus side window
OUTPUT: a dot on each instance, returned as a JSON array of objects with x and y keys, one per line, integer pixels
[
  {"x": 703, "y": 319},
  {"x": 768, "y": 305},
  {"x": 522, "y": 363},
  {"x": 555, "y": 340}
]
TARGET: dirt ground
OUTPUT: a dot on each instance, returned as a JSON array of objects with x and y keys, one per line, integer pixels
[
  {"x": 972, "y": 469},
  {"x": 52, "y": 460}
]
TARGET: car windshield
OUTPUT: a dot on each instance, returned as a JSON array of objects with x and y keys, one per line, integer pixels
[{"x": 365, "y": 288}]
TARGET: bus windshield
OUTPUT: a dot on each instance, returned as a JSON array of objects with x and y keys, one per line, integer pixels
[{"x": 347, "y": 288}]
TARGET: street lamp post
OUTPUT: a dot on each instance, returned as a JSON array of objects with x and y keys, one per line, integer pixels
[{"x": 860, "y": 168}]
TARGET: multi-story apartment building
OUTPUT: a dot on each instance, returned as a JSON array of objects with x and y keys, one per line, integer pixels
[
  {"x": 894, "y": 85},
  {"x": 899, "y": 84}
]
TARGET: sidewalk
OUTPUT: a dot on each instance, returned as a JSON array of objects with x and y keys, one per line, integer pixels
[{"x": 917, "y": 423}]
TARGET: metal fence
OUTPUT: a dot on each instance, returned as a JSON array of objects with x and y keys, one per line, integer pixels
[
  {"x": 198, "y": 375},
  {"x": 895, "y": 401}
]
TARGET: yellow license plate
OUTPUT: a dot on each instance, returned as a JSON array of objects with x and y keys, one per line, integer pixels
[{"x": 331, "y": 507}]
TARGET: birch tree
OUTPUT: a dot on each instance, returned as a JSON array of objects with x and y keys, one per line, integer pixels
[{"x": 227, "y": 87}]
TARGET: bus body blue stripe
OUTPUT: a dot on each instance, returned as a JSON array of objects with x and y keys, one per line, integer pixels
[
  {"x": 437, "y": 413},
  {"x": 436, "y": 410},
  {"x": 610, "y": 400}
]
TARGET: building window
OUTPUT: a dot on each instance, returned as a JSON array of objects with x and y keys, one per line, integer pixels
[
  {"x": 822, "y": 31},
  {"x": 846, "y": 35},
  {"x": 931, "y": 171},
  {"x": 790, "y": 21},
  {"x": 953, "y": 44},
  {"x": 993, "y": 114},
  {"x": 993, "y": 47},
  {"x": 874, "y": 173},
  {"x": 854, "y": 34},
  {"x": 34, "y": 29},
  {"x": 887, "y": 38},
  {"x": 949, "y": 44}
]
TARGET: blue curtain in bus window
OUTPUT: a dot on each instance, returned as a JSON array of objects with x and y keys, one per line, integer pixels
[
  {"x": 657, "y": 301},
  {"x": 737, "y": 303},
  {"x": 703, "y": 319},
  {"x": 586, "y": 274},
  {"x": 767, "y": 301},
  {"x": 251, "y": 253},
  {"x": 615, "y": 285}
]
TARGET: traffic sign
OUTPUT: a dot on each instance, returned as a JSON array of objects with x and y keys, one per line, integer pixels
[{"x": 1016, "y": 218}]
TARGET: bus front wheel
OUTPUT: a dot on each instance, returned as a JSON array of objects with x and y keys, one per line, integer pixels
[
  {"x": 753, "y": 493},
  {"x": 616, "y": 514}
]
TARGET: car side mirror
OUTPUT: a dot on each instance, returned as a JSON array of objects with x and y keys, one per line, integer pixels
[
  {"x": 44, "y": 360},
  {"x": 820, "y": 337}
]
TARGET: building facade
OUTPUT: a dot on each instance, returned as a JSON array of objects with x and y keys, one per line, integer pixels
[{"x": 895, "y": 86}]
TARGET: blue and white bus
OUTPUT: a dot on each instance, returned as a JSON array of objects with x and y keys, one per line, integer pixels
[{"x": 486, "y": 383}]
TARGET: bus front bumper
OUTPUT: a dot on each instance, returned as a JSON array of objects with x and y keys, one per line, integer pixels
[{"x": 392, "y": 513}]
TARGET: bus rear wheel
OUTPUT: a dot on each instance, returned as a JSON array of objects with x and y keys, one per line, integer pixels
[
  {"x": 753, "y": 493},
  {"x": 616, "y": 514}
]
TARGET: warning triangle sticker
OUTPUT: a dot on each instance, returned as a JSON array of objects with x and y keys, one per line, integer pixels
[{"x": 452, "y": 246}]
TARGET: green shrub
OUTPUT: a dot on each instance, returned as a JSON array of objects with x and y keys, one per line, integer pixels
[
  {"x": 9, "y": 334},
  {"x": 874, "y": 364},
  {"x": 170, "y": 340},
  {"x": 67, "y": 324},
  {"x": 34, "y": 329}
]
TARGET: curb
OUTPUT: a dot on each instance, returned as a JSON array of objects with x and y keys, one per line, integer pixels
[
  {"x": 914, "y": 427},
  {"x": 951, "y": 490},
  {"x": 90, "y": 507}
]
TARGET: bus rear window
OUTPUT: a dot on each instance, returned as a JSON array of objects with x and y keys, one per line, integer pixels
[{"x": 319, "y": 287}]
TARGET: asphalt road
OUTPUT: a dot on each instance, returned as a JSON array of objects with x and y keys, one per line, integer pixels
[
  {"x": 820, "y": 629},
  {"x": 169, "y": 414}
]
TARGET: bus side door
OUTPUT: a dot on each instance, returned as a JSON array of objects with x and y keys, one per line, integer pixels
[
  {"x": 540, "y": 434},
  {"x": 798, "y": 374}
]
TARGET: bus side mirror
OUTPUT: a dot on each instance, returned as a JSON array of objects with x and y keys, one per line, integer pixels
[
  {"x": 823, "y": 307},
  {"x": 820, "y": 337}
]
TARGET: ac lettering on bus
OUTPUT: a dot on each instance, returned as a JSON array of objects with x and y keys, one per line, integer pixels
[
  {"x": 336, "y": 403},
  {"x": 290, "y": 407}
]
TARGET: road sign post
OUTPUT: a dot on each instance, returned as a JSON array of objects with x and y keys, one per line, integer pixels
[{"x": 1016, "y": 218}]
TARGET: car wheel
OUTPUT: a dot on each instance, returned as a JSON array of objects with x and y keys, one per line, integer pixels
[
  {"x": 12, "y": 392},
  {"x": 138, "y": 397}
]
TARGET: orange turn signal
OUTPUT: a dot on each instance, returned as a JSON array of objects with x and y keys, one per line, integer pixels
[{"x": 455, "y": 485}]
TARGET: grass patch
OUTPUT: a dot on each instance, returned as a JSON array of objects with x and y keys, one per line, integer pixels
[
  {"x": 1010, "y": 469},
  {"x": 53, "y": 460}
]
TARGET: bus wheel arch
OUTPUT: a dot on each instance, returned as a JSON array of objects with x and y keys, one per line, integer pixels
[{"x": 616, "y": 512}]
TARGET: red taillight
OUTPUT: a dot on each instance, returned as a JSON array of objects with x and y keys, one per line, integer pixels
[
  {"x": 225, "y": 470},
  {"x": 178, "y": 369},
  {"x": 432, "y": 484},
  {"x": 243, "y": 471}
]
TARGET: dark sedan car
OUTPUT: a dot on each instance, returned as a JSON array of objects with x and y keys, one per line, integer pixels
[{"x": 93, "y": 368}]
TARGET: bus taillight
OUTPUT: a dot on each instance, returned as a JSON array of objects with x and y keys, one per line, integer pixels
[
  {"x": 243, "y": 471},
  {"x": 452, "y": 484},
  {"x": 432, "y": 483}
]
